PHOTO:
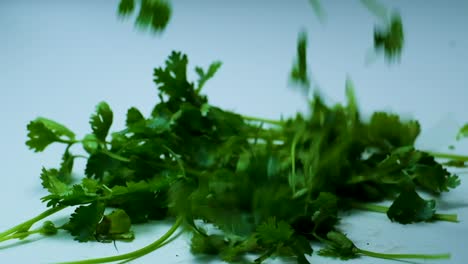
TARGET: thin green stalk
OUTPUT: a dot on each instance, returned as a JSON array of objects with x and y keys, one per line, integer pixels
[
  {"x": 293, "y": 164},
  {"x": 264, "y": 120},
  {"x": 23, "y": 227},
  {"x": 115, "y": 156},
  {"x": 446, "y": 217},
  {"x": 449, "y": 156},
  {"x": 81, "y": 156},
  {"x": 135, "y": 254},
  {"x": 19, "y": 235},
  {"x": 68, "y": 142},
  {"x": 402, "y": 256},
  {"x": 370, "y": 207},
  {"x": 383, "y": 209}
]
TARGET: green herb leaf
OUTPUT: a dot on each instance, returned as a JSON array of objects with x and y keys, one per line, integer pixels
[
  {"x": 134, "y": 116},
  {"x": 66, "y": 166},
  {"x": 98, "y": 164},
  {"x": 273, "y": 232},
  {"x": 115, "y": 225},
  {"x": 387, "y": 131},
  {"x": 172, "y": 80},
  {"x": 57, "y": 128},
  {"x": 126, "y": 7},
  {"x": 154, "y": 14},
  {"x": 84, "y": 220},
  {"x": 338, "y": 245},
  {"x": 205, "y": 76},
  {"x": 43, "y": 132},
  {"x": 51, "y": 182},
  {"x": 391, "y": 38},
  {"x": 299, "y": 74},
  {"x": 463, "y": 133},
  {"x": 101, "y": 121},
  {"x": 409, "y": 207}
]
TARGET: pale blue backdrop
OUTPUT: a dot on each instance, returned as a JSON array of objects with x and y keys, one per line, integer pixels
[{"x": 59, "y": 58}]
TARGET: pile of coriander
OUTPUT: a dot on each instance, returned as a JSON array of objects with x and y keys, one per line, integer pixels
[{"x": 267, "y": 187}]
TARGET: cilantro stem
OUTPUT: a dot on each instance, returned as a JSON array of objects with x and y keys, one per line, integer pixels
[
  {"x": 449, "y": 156},
  {"x": 23, "y": 227},
  {"x": 446, "y": 217},
  {"x": 402, "y": 256},
  {"x": 370, "y": 207},
  {"x": 81, "y": 156},
  {"x": 68, "y": 142},
  {"x": 115, "y": 156},
  {"x": 20, "y": 235},
  {"x": 134, "y": 254},
  {"x": 383, "y": 209},
  {"x": 293, "y": 164},
  {"x": 264, "y": 120}
]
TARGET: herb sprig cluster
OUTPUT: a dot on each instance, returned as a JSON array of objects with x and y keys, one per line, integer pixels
[{"x": 268, "y": 187}]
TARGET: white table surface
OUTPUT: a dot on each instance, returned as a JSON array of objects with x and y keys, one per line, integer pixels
[{"x": 58, "y": 59}]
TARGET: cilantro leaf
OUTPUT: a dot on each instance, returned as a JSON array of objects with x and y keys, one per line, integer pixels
[
  {"x": 43, "y": 132},
  {"x": 390, "y": 39},
  {"x": 126, "y": 7},
  {"x": 84, "y": 221},
  {"x": 40, "y": 136},
  {"x": 172, "y": 80},
  {"x": 57, "y": 128},
  {"x": 301, "y": 247},
  {"x": 463, "y": 132},
  {"x": 98, "y": 164},
  {"x": 409, "y": 207},
  {"x": 51, "y": 182},
  {"x": 83, "y": 193},
  {"x": 338, "y": 245},
  {"x": 66, "y": 166},
  {"x": 115, "y": 225},
  {"x": 205, "y": 76},
  {"x": 101, "y": 121},
  {"x": 273, "y": 232},
  {"x": 324, "y": 212},
  {"x": 299, "y": 73},
  {"x": 432, "y": 176},
  {"x": 154, "y": 14},
  {"x": 207, "y": 244},
  {"x": 134, "y": 116},
  {"x": 387, "y": 131}
]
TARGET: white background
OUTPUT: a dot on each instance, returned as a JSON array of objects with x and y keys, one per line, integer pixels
[{"x": 58, "y": 59}]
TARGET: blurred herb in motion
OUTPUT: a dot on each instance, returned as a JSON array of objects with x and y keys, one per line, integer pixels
[
  {"x": 463, "y": 133},
  {"x": 390, "y": 39},
  {"x": 299, "y": 73},
  {"x": 153, "y": 14}
]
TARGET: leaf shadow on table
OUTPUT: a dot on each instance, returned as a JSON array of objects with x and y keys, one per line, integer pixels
[
  {"x": 450, "y": 205},
  {"x": 20, "y": 243}
]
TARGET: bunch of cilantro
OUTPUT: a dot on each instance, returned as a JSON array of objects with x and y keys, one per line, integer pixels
[
  {"x": 240, "y": 185},
  {"x": 266, "y": 187}
]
